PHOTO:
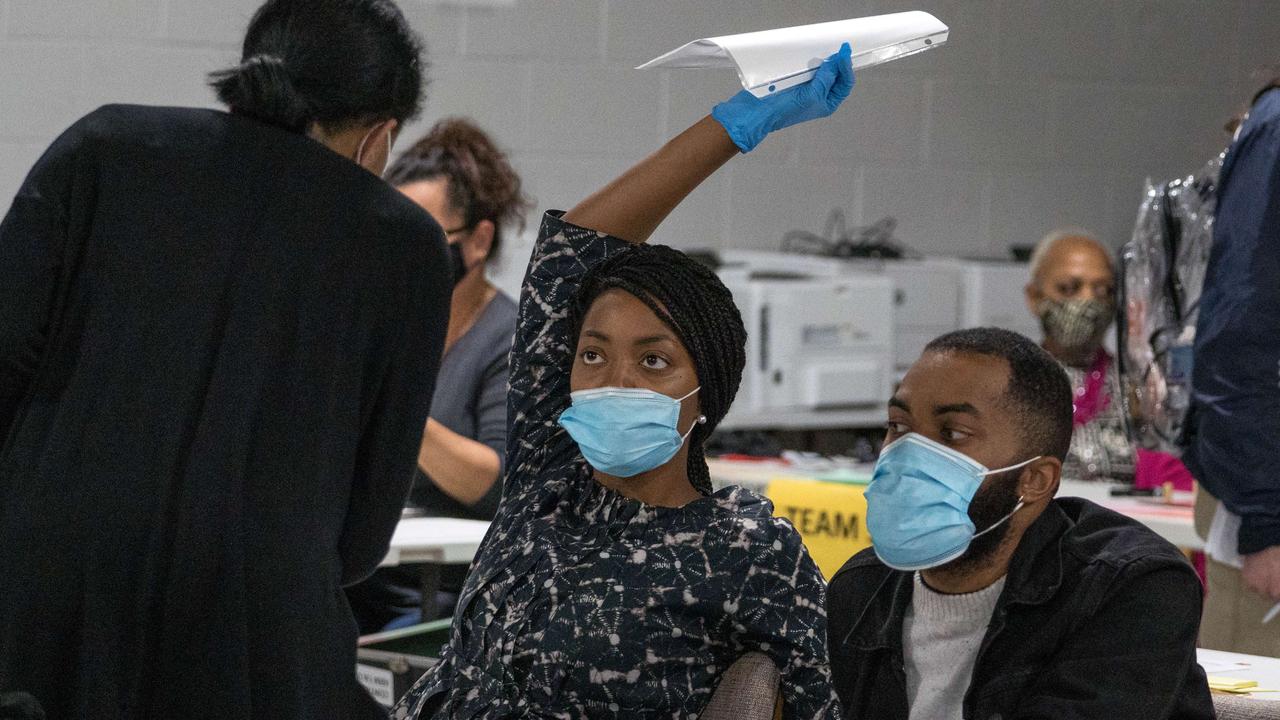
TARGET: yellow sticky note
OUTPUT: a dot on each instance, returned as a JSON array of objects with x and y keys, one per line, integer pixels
[
  {"x": 1231, "y": 685},
  {"x": 831, "y": 517}
]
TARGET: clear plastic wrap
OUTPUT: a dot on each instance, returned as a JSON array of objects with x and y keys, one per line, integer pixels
[{"x": 1162, "y": 270}]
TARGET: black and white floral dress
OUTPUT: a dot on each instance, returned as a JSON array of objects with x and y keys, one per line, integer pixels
[{"x": 585, "y": 603}]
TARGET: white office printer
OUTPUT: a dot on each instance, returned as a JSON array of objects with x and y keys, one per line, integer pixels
[
  {"x": 937, "y": 295},
  {"x": 828, "y": 337},
  {"x": 819, "y": 341}
]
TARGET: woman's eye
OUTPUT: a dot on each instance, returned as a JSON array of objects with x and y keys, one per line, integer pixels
[
  {"x": 897, "y": 428},
  {"x": 591, "y": 357},
  {"x": 953, "y": 436},
  {"x": 655, "y": 362}
]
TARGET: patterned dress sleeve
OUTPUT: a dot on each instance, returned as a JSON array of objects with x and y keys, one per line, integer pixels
[
  {"x": 782, "y": 613},
  {"x": 543, "y": 348}
]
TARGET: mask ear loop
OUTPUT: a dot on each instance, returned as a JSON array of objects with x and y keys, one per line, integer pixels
[
  {"x": 1002, "y": 520},
  {"x": 360, "y": 150},
  {"x": 691, "y": 394},
  {"x": 365, "y": 139},
  {"x": 702, "y": 420},
  {"x": 1019, "y": 466},
  {"x": 1017, "y": 507}
]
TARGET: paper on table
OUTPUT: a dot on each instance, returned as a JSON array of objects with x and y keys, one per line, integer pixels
[
  {"x": 774, "y": 60},
  {"x": 1214, "y": 667}
]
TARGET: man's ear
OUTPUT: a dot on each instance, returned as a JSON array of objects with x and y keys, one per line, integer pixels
[
  {"x": 1040, "y": 480},
  {"x": 1034, "y": 295}
]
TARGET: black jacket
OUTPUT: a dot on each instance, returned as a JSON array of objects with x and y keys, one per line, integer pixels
[
  {"x": 1098, "y": 619},
  {"x": 218, "y": 343}
]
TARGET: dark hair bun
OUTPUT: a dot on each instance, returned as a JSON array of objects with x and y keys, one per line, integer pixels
[
  {"x": 335, "y": 63},
  {"x": 260, "y": 88}
]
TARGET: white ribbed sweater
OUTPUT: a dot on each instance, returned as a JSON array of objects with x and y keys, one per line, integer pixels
[{"x": 940, "y": 638}]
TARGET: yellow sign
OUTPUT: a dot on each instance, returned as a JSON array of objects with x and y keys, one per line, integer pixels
[{"x": 831, "y": 517}]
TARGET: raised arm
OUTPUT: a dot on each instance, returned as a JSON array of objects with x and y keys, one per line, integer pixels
[
  {"x": 626, "y": 210},
  {"x": 633, "y": 205}
]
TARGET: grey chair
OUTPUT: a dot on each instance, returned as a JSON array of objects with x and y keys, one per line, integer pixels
[
  {"x": 748, "y": 690},
  {"x": 1235, "y": 707}
]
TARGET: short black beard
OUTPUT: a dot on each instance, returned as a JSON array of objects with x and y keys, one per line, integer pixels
[{"x": 995, "y": 499}]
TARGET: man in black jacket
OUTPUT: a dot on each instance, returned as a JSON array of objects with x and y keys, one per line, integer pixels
[{"x": 1053, "y": 608}]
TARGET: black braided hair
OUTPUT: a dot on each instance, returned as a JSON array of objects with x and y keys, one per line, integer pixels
[{"x": 691, "y": 300}]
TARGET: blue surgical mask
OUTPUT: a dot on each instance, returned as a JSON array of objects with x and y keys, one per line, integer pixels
[
  {"x": 918, "y": 503},
  {"x": 625, "y": 431}
]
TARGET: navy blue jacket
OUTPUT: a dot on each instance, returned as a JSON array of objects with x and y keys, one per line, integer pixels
[{"x": 1235, "y": 450}]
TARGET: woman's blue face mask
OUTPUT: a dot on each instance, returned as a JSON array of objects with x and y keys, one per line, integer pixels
[
  {"x": 918, "y": 503},
  {"x": 626, "y": 431}
]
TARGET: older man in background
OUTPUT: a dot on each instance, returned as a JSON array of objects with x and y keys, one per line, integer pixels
[{"x": 1072, "y": 292}]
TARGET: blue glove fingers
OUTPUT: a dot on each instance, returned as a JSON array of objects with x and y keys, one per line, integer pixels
[
  {"x": 825, "y": 77},
  {"x": 844, "y": 75},
  {"x": 748, "y": 119},
  {"x": 832, "y": 82}
]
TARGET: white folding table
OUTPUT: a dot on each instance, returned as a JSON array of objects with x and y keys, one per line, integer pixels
[
  {"x": 1263, "y": 670},
  {"x": 442, "y": 541},
  {"x": 430, "y": 543}
]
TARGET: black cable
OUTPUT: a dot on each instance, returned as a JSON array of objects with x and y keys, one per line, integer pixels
[{"x": 837, "y": 240}]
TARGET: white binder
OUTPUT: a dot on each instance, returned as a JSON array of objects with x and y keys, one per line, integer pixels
[{"x": 773, "y": 60}]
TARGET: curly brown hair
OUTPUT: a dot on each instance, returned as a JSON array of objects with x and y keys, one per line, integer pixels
[{"x": 482, "y": 183}]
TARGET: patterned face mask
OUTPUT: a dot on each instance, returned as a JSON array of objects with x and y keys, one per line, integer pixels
[{"x": 1076, "y": 324}]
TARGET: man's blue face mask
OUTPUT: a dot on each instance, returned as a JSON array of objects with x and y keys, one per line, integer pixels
[
  {"x": 625, "y": 431},
  {"x": 918, "y": 503}
]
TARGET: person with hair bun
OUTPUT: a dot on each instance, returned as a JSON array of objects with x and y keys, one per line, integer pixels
[
  {"x": 615, "y": 582},
  {"x": 219, "y": 337},
  {"x": 457, "y": 173}
]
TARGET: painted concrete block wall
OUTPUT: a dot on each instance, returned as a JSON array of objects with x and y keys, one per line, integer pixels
[{"x": 1036, "y": 113}]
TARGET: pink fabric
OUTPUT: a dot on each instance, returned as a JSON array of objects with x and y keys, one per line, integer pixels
[
  {"x": 1154, "y": 469},
  {"x": 1093, "y": 397}
]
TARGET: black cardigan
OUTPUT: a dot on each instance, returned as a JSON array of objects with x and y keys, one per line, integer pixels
[{"x": 218, "y": 344}]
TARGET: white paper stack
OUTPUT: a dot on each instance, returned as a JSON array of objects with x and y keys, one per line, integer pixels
[{"x": 773, "y": 60}]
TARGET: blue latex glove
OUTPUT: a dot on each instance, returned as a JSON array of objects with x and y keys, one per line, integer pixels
[{"x": 748, "y": 119}]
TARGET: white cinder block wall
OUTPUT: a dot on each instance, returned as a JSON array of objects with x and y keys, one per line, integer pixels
[{"x": 1035, "y": 114}]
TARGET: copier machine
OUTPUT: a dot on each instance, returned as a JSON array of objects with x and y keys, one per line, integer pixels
[
  {"x": 829, "y": 337},
  {"x": 819, "y": 343}
]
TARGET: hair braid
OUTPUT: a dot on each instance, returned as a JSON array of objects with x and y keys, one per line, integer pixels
[{"x": 692, "y": 300}]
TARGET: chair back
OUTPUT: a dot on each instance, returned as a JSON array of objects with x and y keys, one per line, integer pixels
[{"x": 748, "y": 690}]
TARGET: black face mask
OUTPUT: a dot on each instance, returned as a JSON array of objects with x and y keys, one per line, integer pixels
[{"x": 459, "y": 265}]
